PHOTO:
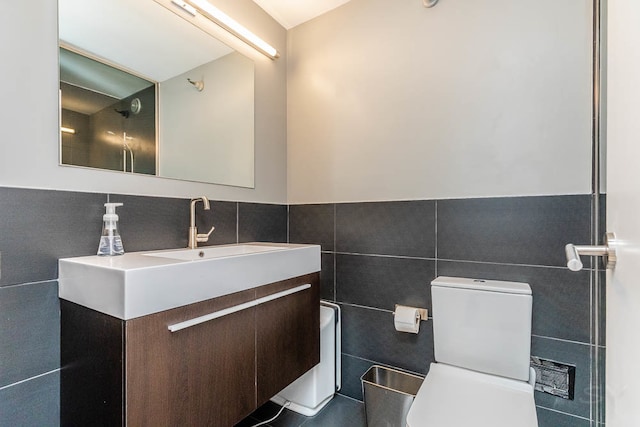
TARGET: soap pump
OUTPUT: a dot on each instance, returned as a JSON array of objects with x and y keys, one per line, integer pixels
[{"x": 110, "y": 241}]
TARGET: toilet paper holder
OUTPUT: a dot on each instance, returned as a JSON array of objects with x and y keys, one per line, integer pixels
[{"x": 424, "y": 313}]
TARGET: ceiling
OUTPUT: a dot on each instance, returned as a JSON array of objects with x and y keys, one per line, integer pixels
[{"x": 290, "y": 13}]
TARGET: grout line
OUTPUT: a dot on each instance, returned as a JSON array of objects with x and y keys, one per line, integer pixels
[
  {"x": 435, "y": 237},
  {"x": 510, "y": 264},
  {"x": 505, "y": 264},
  {"x": 350, "y": 398},
  {"x": 28, "y": 379},
  {"x": 460, "y": 260},
  {"x": 592, "y": 305},
  {"x": 593, "y": 395},
  {"x": 562, "y": 340},
  {"x": 335, "y": 245},
  {"x": 365, "y": 307},
  {"x": 563, "y": 413},
  {"x": 386, "y": 256},
  {"x": 335, "y": 278},
  {"x": 555, "y": 267},
  {"x": 15, "y": 285}
]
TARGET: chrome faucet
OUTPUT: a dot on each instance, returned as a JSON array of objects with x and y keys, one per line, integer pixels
[{"x": 194, "y": 237}]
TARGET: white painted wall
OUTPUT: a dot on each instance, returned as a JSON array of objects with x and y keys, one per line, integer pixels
[
  {"x": 387, "y": 100},
  {"x": 390, "y": 100},
  {"x": 29, "y": 111}
]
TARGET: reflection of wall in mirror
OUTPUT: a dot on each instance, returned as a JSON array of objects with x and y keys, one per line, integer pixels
[
  {"x": 98, "y": 141},
  {"x": 208, "y": 136}
]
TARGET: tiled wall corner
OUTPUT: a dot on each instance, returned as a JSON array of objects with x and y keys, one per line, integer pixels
[
  {"x": 374, "y": 255},
  {"x": 383, "y": 253},
  {"x": 313, "y": 224}
]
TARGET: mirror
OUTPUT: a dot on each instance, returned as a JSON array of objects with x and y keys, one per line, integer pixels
[{"x": 143, "y": 90}]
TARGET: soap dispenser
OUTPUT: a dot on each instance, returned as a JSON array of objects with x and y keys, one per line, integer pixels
[{"x": 110, "y": 241}]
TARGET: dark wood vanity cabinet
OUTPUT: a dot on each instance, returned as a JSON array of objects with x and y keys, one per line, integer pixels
[
  {"x": 215, "y": 373},
  {"x": 283, "y": 349},
  {"x": 202, "y": 375}
]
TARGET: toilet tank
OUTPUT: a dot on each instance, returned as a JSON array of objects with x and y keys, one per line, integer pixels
[{"x": 482, "y": 325}]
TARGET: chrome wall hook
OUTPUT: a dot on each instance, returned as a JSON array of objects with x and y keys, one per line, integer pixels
[
  {"x": 198, "y": 84},
  {"x": 429, "y": 3},
  {"x": 606, "y": 251}
]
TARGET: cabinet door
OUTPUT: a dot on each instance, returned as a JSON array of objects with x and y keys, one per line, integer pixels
[
  {"x": 203, "y": 375},
  {"x": 287, "y": 335}
]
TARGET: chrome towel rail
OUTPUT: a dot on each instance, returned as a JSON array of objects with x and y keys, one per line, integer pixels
[{"x": 606, "y": 251}]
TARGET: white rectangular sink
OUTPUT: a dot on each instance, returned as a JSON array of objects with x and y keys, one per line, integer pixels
[
  {"x": 214, "y": 252},
  {"x": 140, "y": 283}
]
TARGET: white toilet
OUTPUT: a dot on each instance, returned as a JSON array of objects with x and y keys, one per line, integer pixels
[
  {"x": 482, "y": 343},
  {"x": 312, "y": 391}
]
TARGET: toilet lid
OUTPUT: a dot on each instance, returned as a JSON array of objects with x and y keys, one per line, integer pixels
[{"x": 456, "y": 397}]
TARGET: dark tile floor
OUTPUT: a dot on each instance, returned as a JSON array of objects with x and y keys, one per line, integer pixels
[{"x": 341, "y": 411}]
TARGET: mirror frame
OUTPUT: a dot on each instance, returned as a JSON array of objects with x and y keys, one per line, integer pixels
[{"x": 250, "y": 157}]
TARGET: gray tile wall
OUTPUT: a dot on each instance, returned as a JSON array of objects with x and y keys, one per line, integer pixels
[
  {"x": 37, "y": 227},
  {"x": 375, "y": 255}
]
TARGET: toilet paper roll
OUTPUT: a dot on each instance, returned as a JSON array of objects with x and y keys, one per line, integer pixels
[{"x": 406, "y": 319}]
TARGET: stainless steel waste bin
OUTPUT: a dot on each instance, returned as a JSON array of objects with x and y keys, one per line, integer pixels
[{"x": 388, "y": 395}]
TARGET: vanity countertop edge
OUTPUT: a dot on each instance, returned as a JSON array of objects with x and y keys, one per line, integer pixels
[{"x": 136, "y": 284}]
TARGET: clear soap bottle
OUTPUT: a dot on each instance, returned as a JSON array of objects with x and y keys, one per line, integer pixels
[{"x": 110, "y": 241}]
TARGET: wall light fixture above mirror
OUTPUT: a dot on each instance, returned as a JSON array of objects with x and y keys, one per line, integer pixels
[
  {"x": 209, "y": 11},
  {"x": 204, "y": 136}
]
